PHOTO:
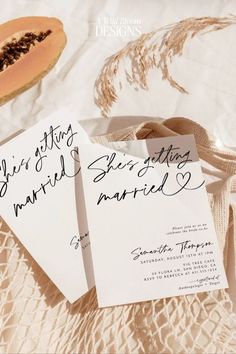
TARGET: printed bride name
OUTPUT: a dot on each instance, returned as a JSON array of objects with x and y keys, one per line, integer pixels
[{"x": 182, "y": 247}]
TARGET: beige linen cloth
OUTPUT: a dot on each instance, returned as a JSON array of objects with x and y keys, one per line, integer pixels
[{"x": 36, "y": 318}]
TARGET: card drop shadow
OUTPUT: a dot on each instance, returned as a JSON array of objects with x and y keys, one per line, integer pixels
[{"x": 83, "y": 224}]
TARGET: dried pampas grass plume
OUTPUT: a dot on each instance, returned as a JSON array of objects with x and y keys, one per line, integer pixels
[{"x": 154, "y": 49}]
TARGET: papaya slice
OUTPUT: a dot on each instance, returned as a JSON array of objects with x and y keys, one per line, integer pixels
[{"x": 29, "y": 48}]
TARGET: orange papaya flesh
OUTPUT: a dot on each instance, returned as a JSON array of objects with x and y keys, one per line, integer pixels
[{"x": 29, "y": 48}]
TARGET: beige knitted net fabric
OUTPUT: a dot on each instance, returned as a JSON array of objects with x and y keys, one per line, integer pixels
[{"x": 36, "y": 318}]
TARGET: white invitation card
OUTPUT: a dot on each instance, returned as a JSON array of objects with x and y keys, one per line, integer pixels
[
  {"x": 39, "y": 174},
  {"x": 151, "y": 229}
]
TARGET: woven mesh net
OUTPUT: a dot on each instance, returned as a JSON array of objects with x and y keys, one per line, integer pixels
[{"x": 36, "y": 318}]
